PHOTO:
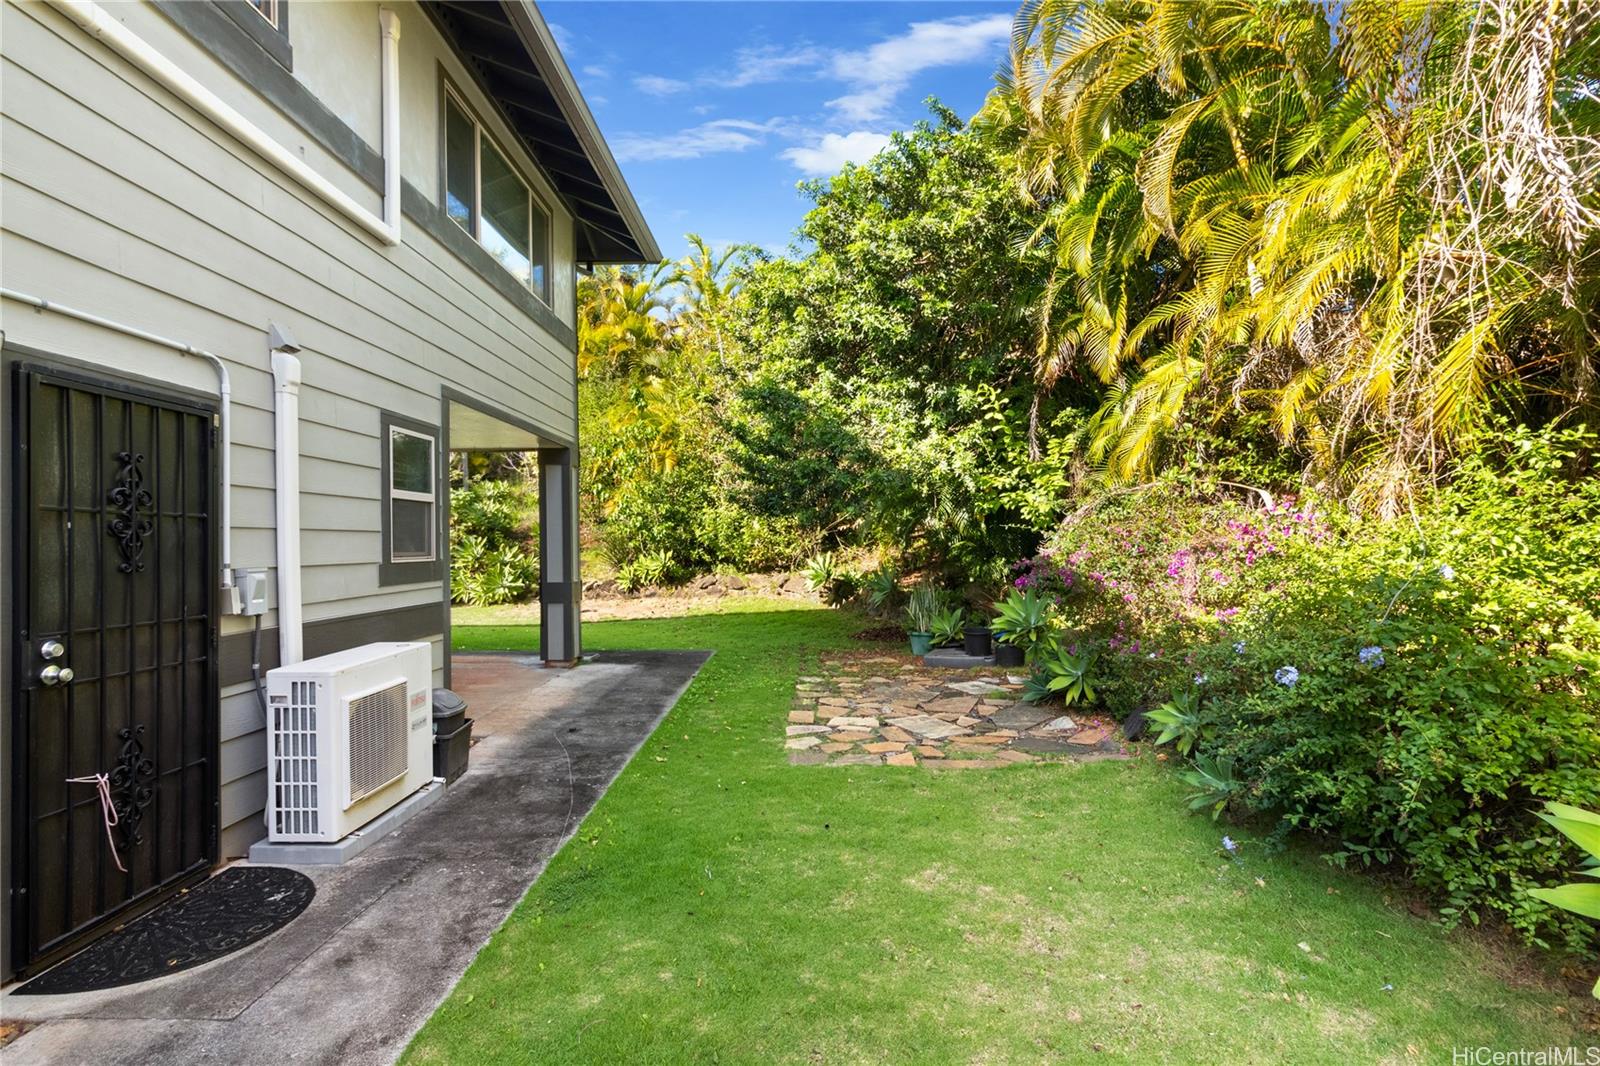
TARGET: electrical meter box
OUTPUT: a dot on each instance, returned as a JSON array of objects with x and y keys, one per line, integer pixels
[{"x": 252, "y": 586}]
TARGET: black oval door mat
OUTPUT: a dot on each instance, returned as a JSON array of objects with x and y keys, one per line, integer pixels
[{"x": 237, "y": 907}]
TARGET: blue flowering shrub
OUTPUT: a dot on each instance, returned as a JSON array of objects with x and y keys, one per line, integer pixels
[{"x": 1410, "y": 691}]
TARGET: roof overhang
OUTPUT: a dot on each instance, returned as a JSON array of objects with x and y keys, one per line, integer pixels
[{"x": 510, "y": 48}]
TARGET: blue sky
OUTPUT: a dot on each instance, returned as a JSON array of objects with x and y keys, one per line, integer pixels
[{"x": 716, "y": 110}]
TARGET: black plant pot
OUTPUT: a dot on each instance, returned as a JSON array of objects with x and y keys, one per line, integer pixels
[
  {"x": 1008, "y": 655},
  {"x": 977, "y": 641}
]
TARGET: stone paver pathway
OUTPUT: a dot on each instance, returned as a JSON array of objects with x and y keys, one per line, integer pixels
[{"x": 888, "y": 710}]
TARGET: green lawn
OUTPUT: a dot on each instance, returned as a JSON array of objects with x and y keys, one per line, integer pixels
[{"x": 720, "y": 905}]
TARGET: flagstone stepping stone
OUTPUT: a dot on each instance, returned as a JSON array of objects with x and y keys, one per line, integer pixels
[
  {"x": 1063, "y": 724},
  {"x": 811, "y": 679},
  {"x": 833, "y": 701},
  {"x": 986, "y": 738},
  {"x": 856, "y": 760},
  {"x": 953, "y": 705},
  {"x": 896, "y": 734},
  {"x": 834, "y": 747},
  {"x": 884, "y": 747},
  {"x": 905, "y": 758},
  {"x": 802, "y": 717},
  {"x": 979, "y": 687},
  {"x": 964, "y": 764},
  {"x": 968, "y": 720},
  {"x": 846, "y": 721},
  {"x": 1091, "y": 736},
  {"x": 802, "y": 730},
  {"x": 1015, "y": 756},
  {"x": 928, "y": 751},
  {"x": 928, "y": 727},
  {"x": 1018, "y": 716},
  {"x": 807, "y": 758},
  {"x": 802, "y": 743},
  {"x": 850, "y": 736},
  {"x": 1042, "y": 745}
]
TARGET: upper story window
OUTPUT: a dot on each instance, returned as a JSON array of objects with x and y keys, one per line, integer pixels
[
  {"x": 267, "y": 9},
  {"x": 486, "y": 197}
]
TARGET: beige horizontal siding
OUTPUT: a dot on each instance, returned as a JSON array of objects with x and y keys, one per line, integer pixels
[{"x": 117, "y": 199}]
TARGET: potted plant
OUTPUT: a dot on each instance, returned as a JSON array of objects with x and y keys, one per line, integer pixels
[
  {"x": 922, "y": 607},
  {"x": 947, "y": 627},
  {"x": 1021, "y": 621}
]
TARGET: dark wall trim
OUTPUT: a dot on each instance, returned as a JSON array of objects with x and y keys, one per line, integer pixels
[
  {"x": 413, "y": 572},
  {"x": 237, "y": 50},
  {"x": 222, "y": 36},
  {"x": 274, "y": 40},
  {"x": 438, "y": 225},
  {"x": 420, "y": 622}
]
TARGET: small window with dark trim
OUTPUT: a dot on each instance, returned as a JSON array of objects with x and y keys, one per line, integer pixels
[
  {"x": 410, "y": 500},
  {"x": 484, "y": 195},
  {"x": 412, "y": 503},
  {"x": 267, "y": 9},
  {"x": 266, "y": 22}
]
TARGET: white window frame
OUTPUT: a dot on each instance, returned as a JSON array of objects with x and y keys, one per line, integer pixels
[
  {"x": 475, "y": 209},
  {"x": 431, "y": 497}
]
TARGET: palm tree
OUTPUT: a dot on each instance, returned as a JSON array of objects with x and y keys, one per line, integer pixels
[
  {"x": 622, "y": 321},
  {"x": 707, "y": 283},
  {"x": 1298, "y": 205}
]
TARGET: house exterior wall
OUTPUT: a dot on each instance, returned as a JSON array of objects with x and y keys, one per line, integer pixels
[{"x": 119, "y": 199}]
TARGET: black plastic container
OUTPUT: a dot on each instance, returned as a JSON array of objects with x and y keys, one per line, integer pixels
[
  {"x": 452, "y": 735},
  {"x": 450, "y": 752},
  {"x": 1008, "y": 654},
  {"x": 977, "y": 641}
]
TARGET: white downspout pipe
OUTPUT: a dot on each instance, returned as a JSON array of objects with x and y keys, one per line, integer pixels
[
  {"x": 224, "y": 415},
  {"x": 95, "y": 21},
  {"x": 389, "y": 27},
  {"x": 286, "y": 460}
]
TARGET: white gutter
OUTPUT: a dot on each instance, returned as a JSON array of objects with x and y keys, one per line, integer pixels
[
  {"x": 224, "y": 415},
  {"x": 95, "y": 21},
  {"x": 286, "y": 499}
]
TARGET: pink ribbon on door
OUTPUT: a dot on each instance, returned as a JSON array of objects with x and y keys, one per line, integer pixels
[{"x": 108, "y": 810}]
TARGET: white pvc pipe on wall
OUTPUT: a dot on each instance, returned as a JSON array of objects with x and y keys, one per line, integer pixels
[
  {"x": 95, "y": 21},
  {"x": 224, "y": 413},
  {"x": 286, "y": 462}
]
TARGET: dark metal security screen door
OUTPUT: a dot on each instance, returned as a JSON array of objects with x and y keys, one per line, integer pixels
[{"x": 114, "y": 657}]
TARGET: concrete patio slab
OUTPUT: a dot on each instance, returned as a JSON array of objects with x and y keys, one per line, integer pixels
[{"x": 390, "y": 932}]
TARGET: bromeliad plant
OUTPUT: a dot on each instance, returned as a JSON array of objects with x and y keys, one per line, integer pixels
[
  {"x": 1024, "y": 619},
  {"x": 1583, "y": 829},
  {"x": 1061, "y": 673},
  {"x": 1180, "y": 721},
  {"x": 882, "y": 588},
  {"x": 1214, "y": 783},
  {"x": 947, "y": 626}
]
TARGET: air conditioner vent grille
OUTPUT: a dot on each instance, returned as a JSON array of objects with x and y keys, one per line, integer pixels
[
  {"x": 377, "y": 739},
  {"x": 294, "y": 754}
]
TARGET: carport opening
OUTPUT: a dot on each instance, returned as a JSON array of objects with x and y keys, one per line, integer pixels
[{"x": 509, "y": 533}]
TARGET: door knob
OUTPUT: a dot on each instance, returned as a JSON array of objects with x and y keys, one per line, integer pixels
[
  {"x": 52, "y": 649},
  {"x": 56, "y": 675}
]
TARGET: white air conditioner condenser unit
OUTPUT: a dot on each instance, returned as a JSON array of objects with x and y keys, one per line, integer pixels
[{"x": 349, "y": 735}]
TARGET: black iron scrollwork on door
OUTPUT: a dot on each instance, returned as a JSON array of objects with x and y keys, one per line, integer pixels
[
  {"x": 133, "y": 500},
  {"x": 132, "y": 784}
]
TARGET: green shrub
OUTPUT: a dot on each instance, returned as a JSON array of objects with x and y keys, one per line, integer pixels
[
  {"x": 1409, "y": 691},
  {"x": 494, "y": 532}
]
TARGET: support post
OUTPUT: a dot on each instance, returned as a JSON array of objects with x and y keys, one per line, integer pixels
[{"x": 560, "y": 586}]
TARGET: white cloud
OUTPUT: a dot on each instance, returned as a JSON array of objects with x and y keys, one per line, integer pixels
[
  {"x": 756, "y": 66},
  {"x": 596, "y": 71},
  {"x": 656, "y": 85},
  {"x": 564, "y": 39},
  {"x": 833, "y": 151},
  {"x": 877, "y": 75},
  {"x": 708, "y": 138}
]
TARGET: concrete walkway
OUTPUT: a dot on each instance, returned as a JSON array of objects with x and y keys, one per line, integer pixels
[{"x": 390, "y": 933}]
